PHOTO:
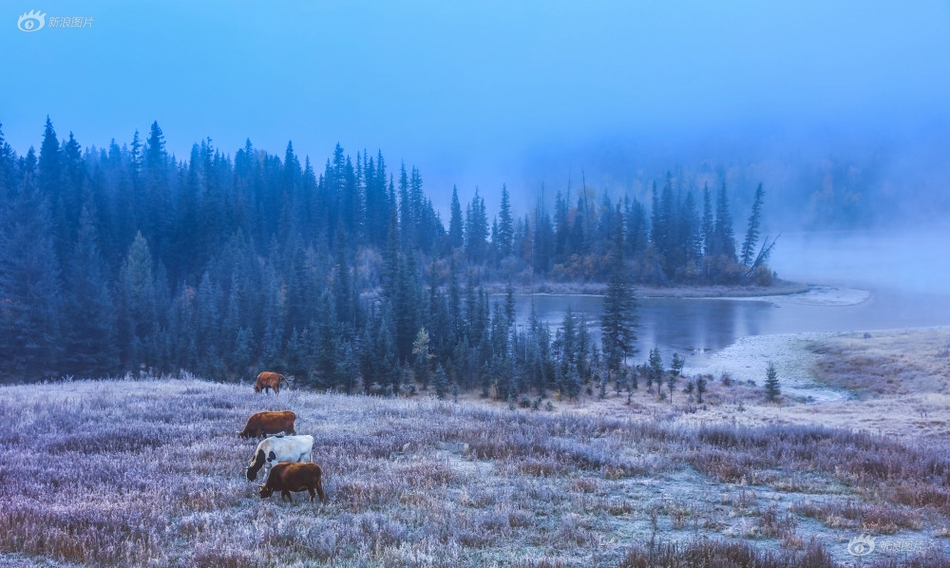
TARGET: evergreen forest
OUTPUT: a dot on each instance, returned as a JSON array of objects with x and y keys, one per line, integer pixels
[{"x": 127, "y": 260}]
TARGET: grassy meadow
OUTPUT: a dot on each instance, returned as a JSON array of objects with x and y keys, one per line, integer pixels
[{"x": 150, "y": 473}]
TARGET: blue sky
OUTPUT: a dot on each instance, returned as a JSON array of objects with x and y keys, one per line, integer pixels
[{"x": 475, "y": 92}]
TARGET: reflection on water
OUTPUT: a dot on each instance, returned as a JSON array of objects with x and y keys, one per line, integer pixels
[{"x": 698, "y": 326}]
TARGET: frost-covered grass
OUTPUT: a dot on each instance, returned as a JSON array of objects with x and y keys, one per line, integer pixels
[{"x": 151, "y": 474}]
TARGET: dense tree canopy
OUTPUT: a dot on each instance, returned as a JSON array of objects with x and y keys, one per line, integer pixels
[{"x": 126, "y": 259}]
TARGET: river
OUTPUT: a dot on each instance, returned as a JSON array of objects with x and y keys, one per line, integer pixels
[{"x": 860, "y": 282}]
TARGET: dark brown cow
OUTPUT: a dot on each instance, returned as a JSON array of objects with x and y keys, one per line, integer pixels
[
  {"x": 286, "y": 477},
  {"x": 269, "y": 380},
  {"x": 264, "y": 423}
]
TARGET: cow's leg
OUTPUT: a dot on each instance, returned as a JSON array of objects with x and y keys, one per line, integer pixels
[
  {"x": 312, "y": 494},
  {"x": 323, "y": 497},
  {"x": 286, "y": 494}
]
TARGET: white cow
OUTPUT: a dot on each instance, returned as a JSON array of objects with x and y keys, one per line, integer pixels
[{"x": 280, "y": 449}]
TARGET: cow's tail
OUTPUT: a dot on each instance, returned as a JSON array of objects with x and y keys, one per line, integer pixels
[{"x": 283, "y": 378}]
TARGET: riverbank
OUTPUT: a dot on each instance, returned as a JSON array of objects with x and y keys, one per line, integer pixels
[
  {"x": 890, "y": 382},
  {"x": 778, "y": 288}
]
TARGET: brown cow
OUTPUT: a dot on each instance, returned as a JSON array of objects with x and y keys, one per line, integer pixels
[
  {"x": 269, "y": 380},
  {"x": 264, "y": 423},
  {"x": 286, "y": 477}
]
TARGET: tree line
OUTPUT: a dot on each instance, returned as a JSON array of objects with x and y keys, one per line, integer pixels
[{"x": 126, "y": 259}]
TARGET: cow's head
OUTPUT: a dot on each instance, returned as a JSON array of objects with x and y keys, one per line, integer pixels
[
  {"x": 256, "y": 465},
  {"x": 257, "y": 387},
  {"x": 266, "y": 491}
]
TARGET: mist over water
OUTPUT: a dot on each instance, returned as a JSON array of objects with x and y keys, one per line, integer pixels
[{"x": 905, "y": 260}]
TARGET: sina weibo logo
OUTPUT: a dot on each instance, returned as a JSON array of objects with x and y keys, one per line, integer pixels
[
  {"x": 861, "y": 545},
  {"x": 32, "y": 21}
]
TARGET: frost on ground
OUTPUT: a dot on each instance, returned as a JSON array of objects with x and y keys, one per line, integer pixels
[
  {"x": 149, "y": 473},
  {"x": 824, "y": 296},
  {"x": 747, "y": 359},
  {"x": 893, "y": 382}
]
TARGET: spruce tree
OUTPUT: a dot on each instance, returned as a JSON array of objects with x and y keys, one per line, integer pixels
[
  {"x": 655, "y": 369},
  {"x": 700, "y": 388},
  {"x": 476, "y": 230},
  {"x": 619, "y": 316},
  {"x": 506, "y": 229},
  {"x": 676, "y": 369},
  {"x": 752, "y": 232},
  {"x": 543, "y": 245},
  {"x": 440, "y": 382},
  {"x": 456, "y": 229},
  {"x": 561, "y": 230},
  {"x": 636, "y": 230},
  {"x": 772, "y": 389},
  {"x": 91, "y": 323},
  {"x": 7, "y": 188},
  {"x": 725, "y": 240},
  {"x": 421, "y": 357},
  {"x": 707, "y": 232},
  {"x": 138, "y": 310}
]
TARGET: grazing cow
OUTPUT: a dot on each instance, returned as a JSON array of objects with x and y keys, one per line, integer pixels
[
  {"x": 279, "y": 449},
  {"x": 268, "y": 380},
  {"x": 287, "y": 477},
  {"x": 264, "y": 423}
]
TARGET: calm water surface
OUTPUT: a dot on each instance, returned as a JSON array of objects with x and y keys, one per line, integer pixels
[{"x": 695, "y": 326}]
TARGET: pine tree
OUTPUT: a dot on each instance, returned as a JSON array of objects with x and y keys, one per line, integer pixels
[
  {"x": 476, "y": 230},
  {"x": 440, "y": 382},
  {"x": 752, "y": 233},
  {"x": 50, "y": 173},
  {"x": 655, "y": 369},
  {"x": 90, "y": 309},
  {"x": 138, "y": 310},
  {"x": 724, "y": 235},
  {"x": 700, "y": 388},
  {"x": 636, "y": 230},
  {"x": 676, "y": 368},
  {"x": 72, "y": 197},
  {"x": 543, "y": 245},
  {"x": 505, "y": 225},
  {"x": 6, "y": 170},
  {"x": 619, "y": 317},
  {"x": 772, "y": 388},
  {"x": 208, "y": 327},
  {"x": 707, "y": 232},
  {"x": 422, "y": 357},
  {"x": 456, "y": 229},
  {"x": 690, "y": 232},
  {"x": 156, "y": 218},
  {"x": 405, "y": 209},
  {"x": 562, "y": 231},
  {"x": 243, "y": 354},
  {"x": 657, "y": 227}
]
